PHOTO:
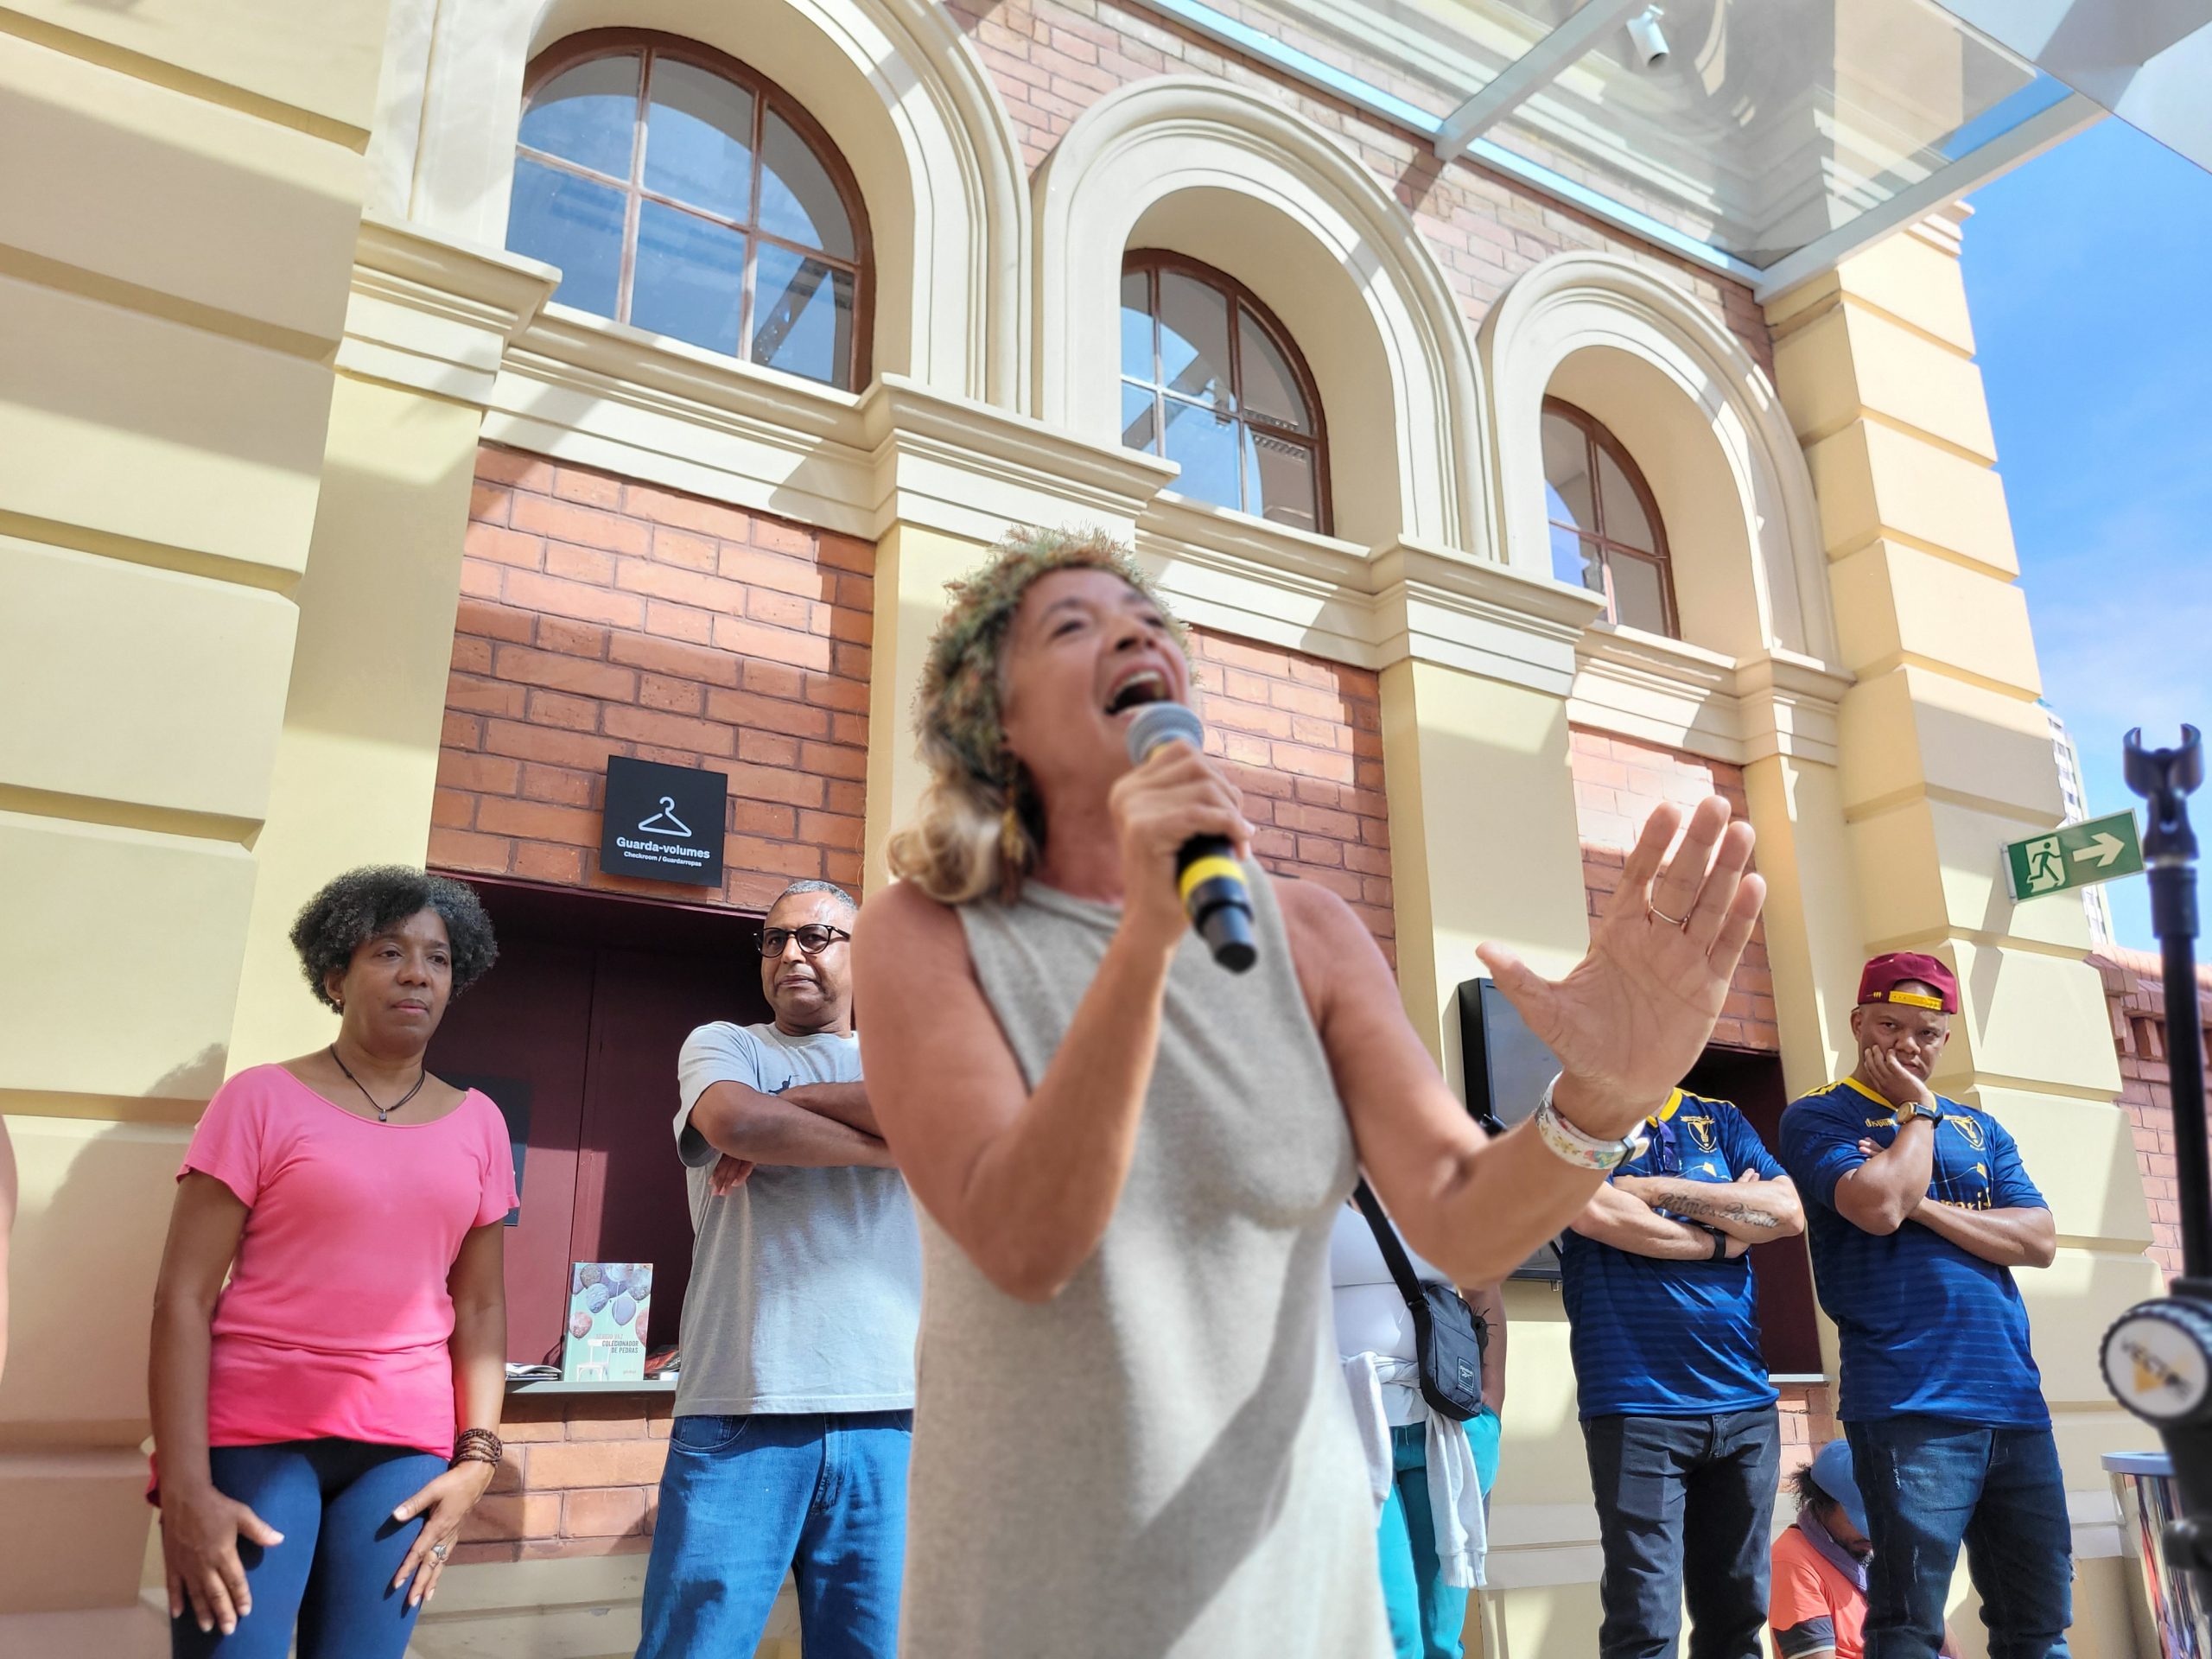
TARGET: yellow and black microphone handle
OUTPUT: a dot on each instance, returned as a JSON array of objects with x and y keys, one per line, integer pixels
[{"x": 1218, "y": 900}]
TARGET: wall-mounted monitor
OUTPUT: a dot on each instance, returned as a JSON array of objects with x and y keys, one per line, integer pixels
[{"x": 1506, "y": 1069}]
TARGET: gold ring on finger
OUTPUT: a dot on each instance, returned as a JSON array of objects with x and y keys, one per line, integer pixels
[{"x": 1654, "y": 912}]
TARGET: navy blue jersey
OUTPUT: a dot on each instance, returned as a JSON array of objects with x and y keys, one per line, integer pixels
[
  {"x": 1926, "y": 1329},
  {"x": 1655, "y": 1338}
]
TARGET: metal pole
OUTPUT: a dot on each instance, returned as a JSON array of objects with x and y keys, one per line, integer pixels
[{"x": 2165, "y": 778}]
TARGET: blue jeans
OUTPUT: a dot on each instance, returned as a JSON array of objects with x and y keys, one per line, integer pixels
[
  {"x": 1427, "y": 1614},
  {"x": 1930, "y": 1484},
  {"x": 746, "y": 1499},
  {"x": 332, "y": 1576},
  {"x": 1684, "y": 1514}
]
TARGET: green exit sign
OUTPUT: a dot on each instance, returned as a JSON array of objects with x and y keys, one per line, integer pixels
[{"x": 2076, "y": 856}]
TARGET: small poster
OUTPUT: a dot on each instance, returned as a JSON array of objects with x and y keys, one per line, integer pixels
[{"x": 605, "y": 1338}]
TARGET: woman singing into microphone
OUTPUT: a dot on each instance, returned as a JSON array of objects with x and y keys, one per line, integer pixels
[{"x": 1131, "y": 1436}]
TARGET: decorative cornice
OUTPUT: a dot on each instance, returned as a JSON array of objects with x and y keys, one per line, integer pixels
[
  {"x": 1436, "y": 605},
  {"x": 1681, "y": 696},
  {"x": 1264, "y": 581},
  {"x": 462, "y": 322},
  {"x": 975, "y": 471},
  {"x": 433, "y": 314},
  {"x": 583, "y": 389},
  {"x": 1789, "y": 704}
]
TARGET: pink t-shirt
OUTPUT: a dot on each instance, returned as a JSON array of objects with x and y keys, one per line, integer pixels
[{"x": 335, "y": 1321}]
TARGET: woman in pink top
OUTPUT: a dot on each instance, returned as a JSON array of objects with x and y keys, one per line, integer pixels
[{"x": 323, "y": 1422}]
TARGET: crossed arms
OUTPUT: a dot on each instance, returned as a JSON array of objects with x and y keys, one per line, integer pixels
[
  {"x": 813, "y": 1126},
  {"x": 1625, "y": 1214},
  {"x": 1890, "y": 1188}
]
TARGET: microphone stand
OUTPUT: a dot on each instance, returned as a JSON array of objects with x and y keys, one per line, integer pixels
[{"x": 2158, "y": 1357}]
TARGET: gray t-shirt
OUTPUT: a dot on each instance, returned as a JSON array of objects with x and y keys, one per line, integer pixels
[{"x": 806, "y": 1284}]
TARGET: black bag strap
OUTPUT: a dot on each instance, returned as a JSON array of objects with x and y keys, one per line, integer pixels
[{"x": 1394, "y": 1253}]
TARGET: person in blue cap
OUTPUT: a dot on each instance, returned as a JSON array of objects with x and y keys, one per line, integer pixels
[
  {"x": 1918, "y": 1210},
  {"x": 1818, "y": 1609}
]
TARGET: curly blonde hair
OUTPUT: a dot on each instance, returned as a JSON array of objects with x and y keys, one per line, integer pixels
[{"x": 964, "y": 841}]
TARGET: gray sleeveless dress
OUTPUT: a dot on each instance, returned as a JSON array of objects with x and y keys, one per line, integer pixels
[{"x": 1161, "y": 1459}]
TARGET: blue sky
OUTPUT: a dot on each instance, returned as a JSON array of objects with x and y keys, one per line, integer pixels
[{"x": 2089, "y": 270}]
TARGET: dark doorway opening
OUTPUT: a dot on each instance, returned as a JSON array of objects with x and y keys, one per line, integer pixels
[
  {"x": 1751, "y": 1079},
  {"x": 574, "y": 1033}
]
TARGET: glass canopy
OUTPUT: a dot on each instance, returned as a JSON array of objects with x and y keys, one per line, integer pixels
[{"x": 1763, "y": 137}]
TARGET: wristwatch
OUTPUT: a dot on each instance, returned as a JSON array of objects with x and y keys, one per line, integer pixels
[
  {"x": 1932, "y": 1110},
  {"x": 1720, "y": 1244},
  {"x": 1573, "y": 1146}
]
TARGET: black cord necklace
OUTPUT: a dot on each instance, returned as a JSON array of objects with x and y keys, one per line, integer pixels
[{"x": 383, "y": 1114}]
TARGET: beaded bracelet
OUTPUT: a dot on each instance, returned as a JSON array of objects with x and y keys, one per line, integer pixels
[{"x": 477, "y": 1446}]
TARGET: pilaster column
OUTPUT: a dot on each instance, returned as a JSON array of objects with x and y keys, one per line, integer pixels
[
  {"x": 177, "y": 263},
  {"x": 427, "y": 325},
  {"x": 1944, "y": 756},
  {"x": 1479, "y": 662}
]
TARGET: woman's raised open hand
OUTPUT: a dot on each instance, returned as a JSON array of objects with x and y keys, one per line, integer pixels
[{"x": 1633, "y": 1015}]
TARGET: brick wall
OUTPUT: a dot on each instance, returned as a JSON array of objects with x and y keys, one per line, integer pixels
[
  {"x": 581, "y": 1476},
  {"x": 1807, "y": 1413},
  {"x": 1053, "y": 58},
  {"x": 1616, "y": 783},
  {"x": 1303, "y": 737},
  {"x": 601, "y": 617},
  {"x": 2135, "y": 994}
]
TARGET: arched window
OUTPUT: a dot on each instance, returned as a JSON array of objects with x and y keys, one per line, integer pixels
[
  {"x": 1210, "y": 379},
  {"x": 1606, "y": 530},
  {"x": 680, "y": 191}
]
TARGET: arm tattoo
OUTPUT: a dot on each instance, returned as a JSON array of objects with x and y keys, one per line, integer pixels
[{"x": 1693, "y": 1204}]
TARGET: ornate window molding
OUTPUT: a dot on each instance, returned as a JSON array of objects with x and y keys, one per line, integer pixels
[
  {"x": 1220, "y": 173},
  {"x": 1705, "y": 426},
  {"x": 894, "y": 85}
]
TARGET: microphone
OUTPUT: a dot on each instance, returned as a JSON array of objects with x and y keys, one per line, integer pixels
[{"x": 1210, "y": 881}]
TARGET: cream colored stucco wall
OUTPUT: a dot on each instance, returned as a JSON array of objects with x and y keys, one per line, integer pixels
[
  {"x": 1944, "y": 758},
  {"x": 174, "y": 276}
]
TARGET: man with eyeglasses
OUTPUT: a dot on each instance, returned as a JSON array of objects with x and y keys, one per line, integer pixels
[{"x": 795, "y": 1405}]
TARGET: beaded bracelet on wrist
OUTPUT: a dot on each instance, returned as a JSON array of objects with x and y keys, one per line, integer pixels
[{"x": 477, "y": 1446}]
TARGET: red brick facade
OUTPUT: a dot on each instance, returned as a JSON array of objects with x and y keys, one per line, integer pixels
[
  {"x": 581, "y": 1476},
  {"x": 1053, "y": 58},
  {"x": 2135, "y": 992},
  {"x": 1303, "y": 739},
  {"x": 1808, "y": 1411},
  {"x": 1616, "y": 783},
  {"x": 600, "y": 617}
]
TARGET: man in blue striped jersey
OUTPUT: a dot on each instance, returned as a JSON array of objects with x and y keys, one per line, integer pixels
[
  {"x": 1677, "y": 1414},
  {"x": 1919, "y": 1210}
]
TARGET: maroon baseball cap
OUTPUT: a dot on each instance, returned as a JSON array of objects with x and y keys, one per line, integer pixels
[{"x": 1882, "y": 976}]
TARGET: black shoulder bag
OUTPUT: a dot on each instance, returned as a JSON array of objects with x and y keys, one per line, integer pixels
[{"x": 1449, "y": 1337}]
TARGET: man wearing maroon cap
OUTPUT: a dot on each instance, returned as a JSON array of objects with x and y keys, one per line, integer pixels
[{"x": 1917, "y": 1211}]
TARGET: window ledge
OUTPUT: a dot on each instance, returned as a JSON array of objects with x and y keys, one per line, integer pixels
[
  {"x": 561, "y": 1385},
  {"x": 1739, "y": 710}
]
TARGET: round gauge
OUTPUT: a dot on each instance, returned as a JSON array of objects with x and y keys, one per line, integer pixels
[{"x": 2157, "y": 1360}]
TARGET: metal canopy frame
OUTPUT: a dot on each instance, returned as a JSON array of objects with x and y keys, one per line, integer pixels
[
  {"x": 1530, "y": 73},
  {"x": 1458, "y": 136}
]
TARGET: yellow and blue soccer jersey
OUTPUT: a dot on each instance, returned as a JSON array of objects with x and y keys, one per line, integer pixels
[
  {"x": 1653, "y": 1339},
  {"x": 1927, "y": 1328}
]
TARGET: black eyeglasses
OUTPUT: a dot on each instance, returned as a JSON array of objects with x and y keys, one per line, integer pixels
[{"x": 814, "y": 938}]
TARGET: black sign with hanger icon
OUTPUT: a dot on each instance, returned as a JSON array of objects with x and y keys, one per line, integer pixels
[{"x": 663, "y": 823}]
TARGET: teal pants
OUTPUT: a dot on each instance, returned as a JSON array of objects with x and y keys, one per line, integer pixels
[{"x": 1427, "y": 1614}]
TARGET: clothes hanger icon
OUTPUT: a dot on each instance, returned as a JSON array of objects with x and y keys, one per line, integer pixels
[{"x": 665, "y": 821}]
